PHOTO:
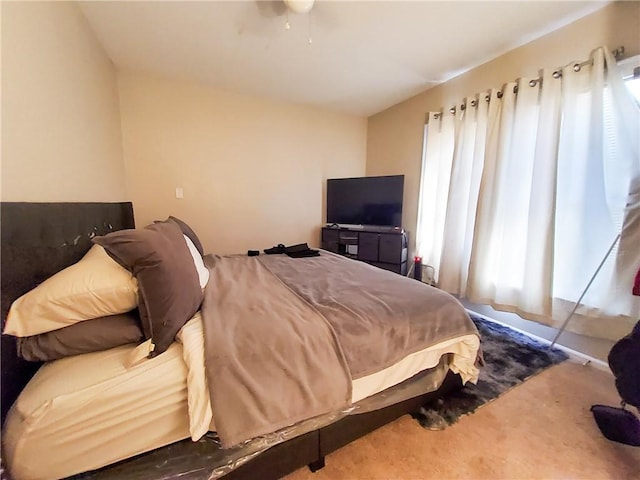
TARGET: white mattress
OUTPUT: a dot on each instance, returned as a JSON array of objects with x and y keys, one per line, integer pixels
[{"x": 81, "y": 413}]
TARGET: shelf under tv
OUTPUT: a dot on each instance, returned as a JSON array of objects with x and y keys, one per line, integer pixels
[{"x": 384, "y": 247}]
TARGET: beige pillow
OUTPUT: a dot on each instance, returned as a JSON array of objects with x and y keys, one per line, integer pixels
[{"x": 94, "y": 287}]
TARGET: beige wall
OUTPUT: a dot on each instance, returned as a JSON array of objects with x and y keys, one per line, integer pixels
[
  {"x": 253, "y": 171},
  {"x": 394, "y": 142},
  {"x": 61, "y": 138}
]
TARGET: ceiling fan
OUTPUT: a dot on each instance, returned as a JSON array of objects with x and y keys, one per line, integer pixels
[
  {"x": 299, "y": 6},
  {"x": 291, "y": 12}
]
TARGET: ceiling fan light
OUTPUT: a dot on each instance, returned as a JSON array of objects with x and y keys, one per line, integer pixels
[{"x": 299, "y": 6}]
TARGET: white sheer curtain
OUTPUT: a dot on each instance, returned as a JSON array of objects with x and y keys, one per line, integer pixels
[
  {"x": 513, "y": 256},
  {"x": 463, "y": 194},
  {"x": 436, "y": 173},
  {"x": 599, "y": 164},
  {"x": 539, "y": 182}
]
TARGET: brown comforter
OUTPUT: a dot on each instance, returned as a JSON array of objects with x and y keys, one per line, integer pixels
[{"x": 284, "y": 337}]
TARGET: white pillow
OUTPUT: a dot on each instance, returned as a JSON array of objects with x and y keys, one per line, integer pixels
[
  {"x": 203, "y": 271},
  {"x": 93, "y": 287}
]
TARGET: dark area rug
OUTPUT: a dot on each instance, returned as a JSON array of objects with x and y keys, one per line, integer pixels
[{"x": 510, "y": 358}]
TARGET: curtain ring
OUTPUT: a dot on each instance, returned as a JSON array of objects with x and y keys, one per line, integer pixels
[
  {"x": 557, "y": 74},
  {"x": 487, "y": 98},
  {"x": 474, "y": 103},
  {"x": 533, "y": 83},
  {"x": 515, "y": 89},
  {"x": 577, "y": 67},
  {"x": 500, "y": 94},
  {"x": 436, "y": 116},
  {"x": 463, "y": 107},
  {"x": 452, "y": 110}
]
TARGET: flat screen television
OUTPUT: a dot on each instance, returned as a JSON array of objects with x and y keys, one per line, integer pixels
[{"x": 365, "y": 201}]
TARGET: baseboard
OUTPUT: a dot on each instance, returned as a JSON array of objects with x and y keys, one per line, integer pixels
[{"x": 573, "y": 354}]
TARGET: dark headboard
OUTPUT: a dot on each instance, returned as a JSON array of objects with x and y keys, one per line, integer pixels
[{"x": 38, "y": 240}]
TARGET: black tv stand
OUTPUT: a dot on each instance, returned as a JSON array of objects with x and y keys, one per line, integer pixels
[{"x": 384, "y": 247}]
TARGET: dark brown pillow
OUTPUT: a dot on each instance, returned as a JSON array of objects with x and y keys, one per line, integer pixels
[
  {"x": 84, "y": 337},
  {"x": 188, "y": 231},
  {"x": 169, "y": 292}
]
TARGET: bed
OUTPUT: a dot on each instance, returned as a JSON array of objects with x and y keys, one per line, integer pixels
[{"x": 92, "y": 421}]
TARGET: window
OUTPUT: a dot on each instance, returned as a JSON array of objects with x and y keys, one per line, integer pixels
[
  {"x": 630, "y": 69},
  {"x": 544, "y": 219}
]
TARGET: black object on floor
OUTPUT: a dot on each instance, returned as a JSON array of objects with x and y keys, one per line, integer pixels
[
  {"x": 510, "y": 358},
  {"x": 624, "y": 360},
  {"x": 618, "y": 424}
]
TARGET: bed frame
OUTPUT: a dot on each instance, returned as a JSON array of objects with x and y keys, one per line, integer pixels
[{"x": 40, "y": 239}]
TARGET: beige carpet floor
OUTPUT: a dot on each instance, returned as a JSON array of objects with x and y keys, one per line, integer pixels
[{"x": 542, "y": 429}]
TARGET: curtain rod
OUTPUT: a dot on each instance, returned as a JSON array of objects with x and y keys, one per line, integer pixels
[{"x": 618, "y": 53}]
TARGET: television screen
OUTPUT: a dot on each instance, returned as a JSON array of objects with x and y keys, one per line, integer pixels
[{"x": 365, "y": 200}]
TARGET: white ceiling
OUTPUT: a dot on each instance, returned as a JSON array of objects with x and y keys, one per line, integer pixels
[{"x": 365, "y": 56}]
